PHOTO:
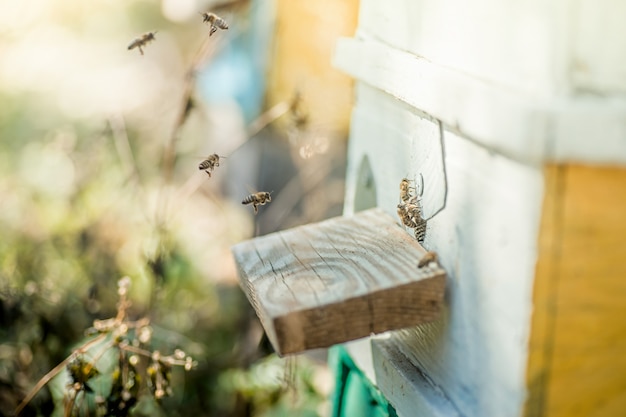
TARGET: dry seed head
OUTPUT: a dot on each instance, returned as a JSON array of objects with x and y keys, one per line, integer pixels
[{"x": 122, "y": 285}]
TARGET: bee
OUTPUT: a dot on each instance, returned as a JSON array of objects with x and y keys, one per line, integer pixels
[
  {"x": 142, "y": 41},
  {"x": 215, "y": 21},
  {"x": 410, "y": 214},
  {"x": 257, "y": 199},
  {"x": 420, "y": 231},
  {"x": 405, "y": 216},
  {"x": 210, "y": 163},
  {"x": 410, "y": 211},
  {"x": 297, "y": 112},
  {"x": 405, "y": 191},
  {"x": 427, "y": 259}
]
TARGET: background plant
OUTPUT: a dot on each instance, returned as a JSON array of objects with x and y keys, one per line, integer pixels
[{"x": 84, "y": 125}]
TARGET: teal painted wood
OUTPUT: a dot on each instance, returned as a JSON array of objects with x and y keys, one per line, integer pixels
[{"x": 354, "y": 394}]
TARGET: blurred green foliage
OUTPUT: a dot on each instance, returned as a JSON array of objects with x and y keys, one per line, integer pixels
[{"x": 76, "y": 215}]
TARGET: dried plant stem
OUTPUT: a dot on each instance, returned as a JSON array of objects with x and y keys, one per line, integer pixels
[
  {"x": 133, "y": 349},
  {"x": 205, "y": 51},
  {"x": 268, "y": 117},
  {"x": 70, "y": 404},
  {"x": 122, "y": 146},
  {"x": 207, "y": 48},
  {"x": 297, "y": 187},
  {"x": 47, "y": 377}
]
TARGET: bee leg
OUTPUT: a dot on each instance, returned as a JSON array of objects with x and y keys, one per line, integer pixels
[
  {"x": 207, "y": 172},
  {"x": 256, "y": 208},
  {"x": 140, "y": 50}
]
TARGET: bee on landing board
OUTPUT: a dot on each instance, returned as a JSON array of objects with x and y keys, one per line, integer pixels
[
  {"x": 257, "y": 199},
  {"x": 215, "y": 21},
  {"x": 210, "y": 163},
  {"x": 427, "y": 259},
  {"x": 142, "y": 41}
]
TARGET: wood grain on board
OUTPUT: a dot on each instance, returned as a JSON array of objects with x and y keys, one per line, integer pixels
[
  {"x": 577, "y": 365},
  {"x": 338, "y": 280}
]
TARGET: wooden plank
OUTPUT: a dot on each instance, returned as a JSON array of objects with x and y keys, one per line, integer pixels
[
  {"x": 482, "y": 111},
  {"x": 338, "y": 280},
  {"x": 458, "y": 34},
  {"x": 405, "y": 386},
  {"x": 541, "y": 46},
  {"x": 531, "y": 129},
  {"x": 577, "y": 365}
]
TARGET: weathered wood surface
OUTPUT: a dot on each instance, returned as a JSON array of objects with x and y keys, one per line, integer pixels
[
  {"x": 338, "y": 280},
  {"x": 396, "y": 376},
  {"x": 527, "y": 128},
  {"x": 577, "y": 361}
]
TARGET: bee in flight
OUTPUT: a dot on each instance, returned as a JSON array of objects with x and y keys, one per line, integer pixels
[
  {"x": 210, "y": 163},
  {"x": 297, "y": 112},
  {"x": 215, "y": 21},
  {"x": 142, "y": 41},
  {"x": 257, "y": 199}
]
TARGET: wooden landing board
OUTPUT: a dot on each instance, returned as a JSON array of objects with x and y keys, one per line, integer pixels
[{"x": 338, "y": 280}]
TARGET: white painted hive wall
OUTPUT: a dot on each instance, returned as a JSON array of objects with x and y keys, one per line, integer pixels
[
  {"x": 486, "y": 238},
  {"x": 491, "y": 90},
  {"x": 542, "y": 47}
]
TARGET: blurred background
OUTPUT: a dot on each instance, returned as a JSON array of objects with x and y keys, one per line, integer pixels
[{"x": 99, "y": 179}]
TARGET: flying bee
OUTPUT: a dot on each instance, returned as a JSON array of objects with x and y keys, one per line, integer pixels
[
  {"x": 257, "y": 199},
  {"x": 142, "y": 41},
  {"x": 297, "y": 112},
  {"x": 210, "y": 163},
  {"x": 427, "y": 259},
  {"x": 215, "y": 21}
]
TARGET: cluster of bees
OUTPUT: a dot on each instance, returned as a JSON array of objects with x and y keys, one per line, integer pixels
[
  {"x": 213, "y": 20},
  {"x": 410, "y": 213},
  {"x": 212, "y": 161}
]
